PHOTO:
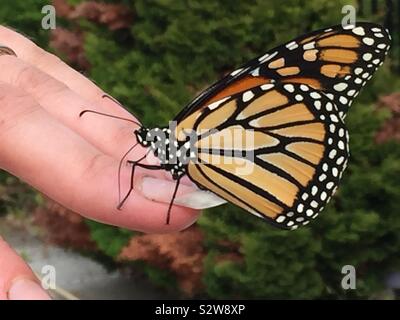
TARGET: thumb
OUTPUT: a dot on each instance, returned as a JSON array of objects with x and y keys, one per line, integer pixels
[{"x": 17, "y": 281}]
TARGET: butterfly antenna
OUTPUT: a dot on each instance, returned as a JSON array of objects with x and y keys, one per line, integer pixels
[
  {"x": 113, "y": 100},
  {"x": 109, "y": 115}
]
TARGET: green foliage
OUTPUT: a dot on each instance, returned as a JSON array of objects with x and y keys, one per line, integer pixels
[
  {"x": 26, "y": 17},
  {"x": 161, "y": 277},
  {"x": 109, "y": 239}
]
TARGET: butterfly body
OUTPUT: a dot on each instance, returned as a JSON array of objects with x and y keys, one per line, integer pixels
[{"x": 172, "y": 154}]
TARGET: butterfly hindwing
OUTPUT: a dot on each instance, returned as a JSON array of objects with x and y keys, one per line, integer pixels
[{"x": 276, "y": 150}]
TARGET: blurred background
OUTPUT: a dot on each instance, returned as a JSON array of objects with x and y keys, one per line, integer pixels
[{"x": 155, "y": 56}]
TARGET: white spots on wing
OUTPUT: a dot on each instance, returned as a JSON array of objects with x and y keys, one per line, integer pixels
[
  {"x": 304, "y": 88},
  {"x": 341, "y": 145},
  {"x": 359, "y": 31},
  {"x": 314, "y": 190},
  {"x": 314, "y": 204},
  {"x": 376, "y": 61},
  {"x": 309, "y": 212},
  {"x": 343, "y": 100},
  {"x": 304, "y": 196},
  {"x": 322, "y": 177},
  {"x": 216, "y": 104},
  {"x": 358, "y": 70},
  {"x": 365, "y": 75},
  {"x": 323, "y": 196},
  {"x": 234, "y": 73},
  {"x": 358, "y": 81},
  {"x": 376, "y": 29},
  {"x": 332, "y": 154},
  {"x": 300, "y": 207},
  {"x": 330, "y": 96},
  {"x": 339, "y": 160},
  {"x": 367, "y": 56},
  {"x": 267, "y": 57},
  {"x": 289, "y": 87},
  {"x": 256, "y": 72},
  {"x": 351, "y": 93},
  {"x": 388, "y": 33},
  {"x": 334, "y": 118},
  {"x": 329, "y": 106},
  {"x": 379, "y": 35},
  {"x": 292, "y": 45},
  {"x": 340, "y": 86},
  {"x": 317, "y": 104},
  {"x": 382, "y": 46},
  {"x": 248, "y": 95},
  {"x": 329, "y": 185},
  {"x": 368, "y": 41},
  {"x": 299, "y": 97},
  {"x": 267, "y": 86},
  {"x": 308, "y": 46},
  {"x": 315, "y": 95},
  {"x": 280, "y": 219}
]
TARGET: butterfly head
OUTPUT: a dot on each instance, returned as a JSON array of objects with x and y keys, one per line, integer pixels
[{"x": 142, "y": 136}]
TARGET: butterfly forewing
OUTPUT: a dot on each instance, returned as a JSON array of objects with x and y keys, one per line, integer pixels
[
  {"x": 277, "y": 151},
  {"x": 337, "y": 61}
]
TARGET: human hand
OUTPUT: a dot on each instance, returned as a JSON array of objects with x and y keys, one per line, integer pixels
[{"x": 73, "y": 160}]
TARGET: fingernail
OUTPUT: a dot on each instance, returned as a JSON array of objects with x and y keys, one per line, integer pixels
[
  {"x": 26, "y": 289},
  {"x": 188, "y": 196},
  {"x": 6, "y": 51},
  {"x": 199, "y": 199}
]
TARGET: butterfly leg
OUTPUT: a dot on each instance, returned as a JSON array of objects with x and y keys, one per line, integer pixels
[
  {"x": 172, "y": 201},
  {"x": 134, "y": 165},
  {"x": 149, "y": 167},
  {"x": 130, "y": 188}
]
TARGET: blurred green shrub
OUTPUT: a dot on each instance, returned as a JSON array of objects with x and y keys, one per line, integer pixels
[{"x": 173, "y": 50}]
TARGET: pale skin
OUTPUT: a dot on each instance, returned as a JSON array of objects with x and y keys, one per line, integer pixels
[{"x": 72, "y": 160}]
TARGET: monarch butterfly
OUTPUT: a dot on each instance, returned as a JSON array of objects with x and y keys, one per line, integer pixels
[{"x": 293, "y": 100}]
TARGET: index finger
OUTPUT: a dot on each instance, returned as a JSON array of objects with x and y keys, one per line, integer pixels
[{"x": 29, "y": 52}]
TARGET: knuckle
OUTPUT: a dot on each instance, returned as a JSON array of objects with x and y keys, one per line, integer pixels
[
  {"x": 95, "y": 165},
  {"x": 16, "y": 105},
  {"x": 123, "y": 135},
  {"x": 35, "y": 80}
]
